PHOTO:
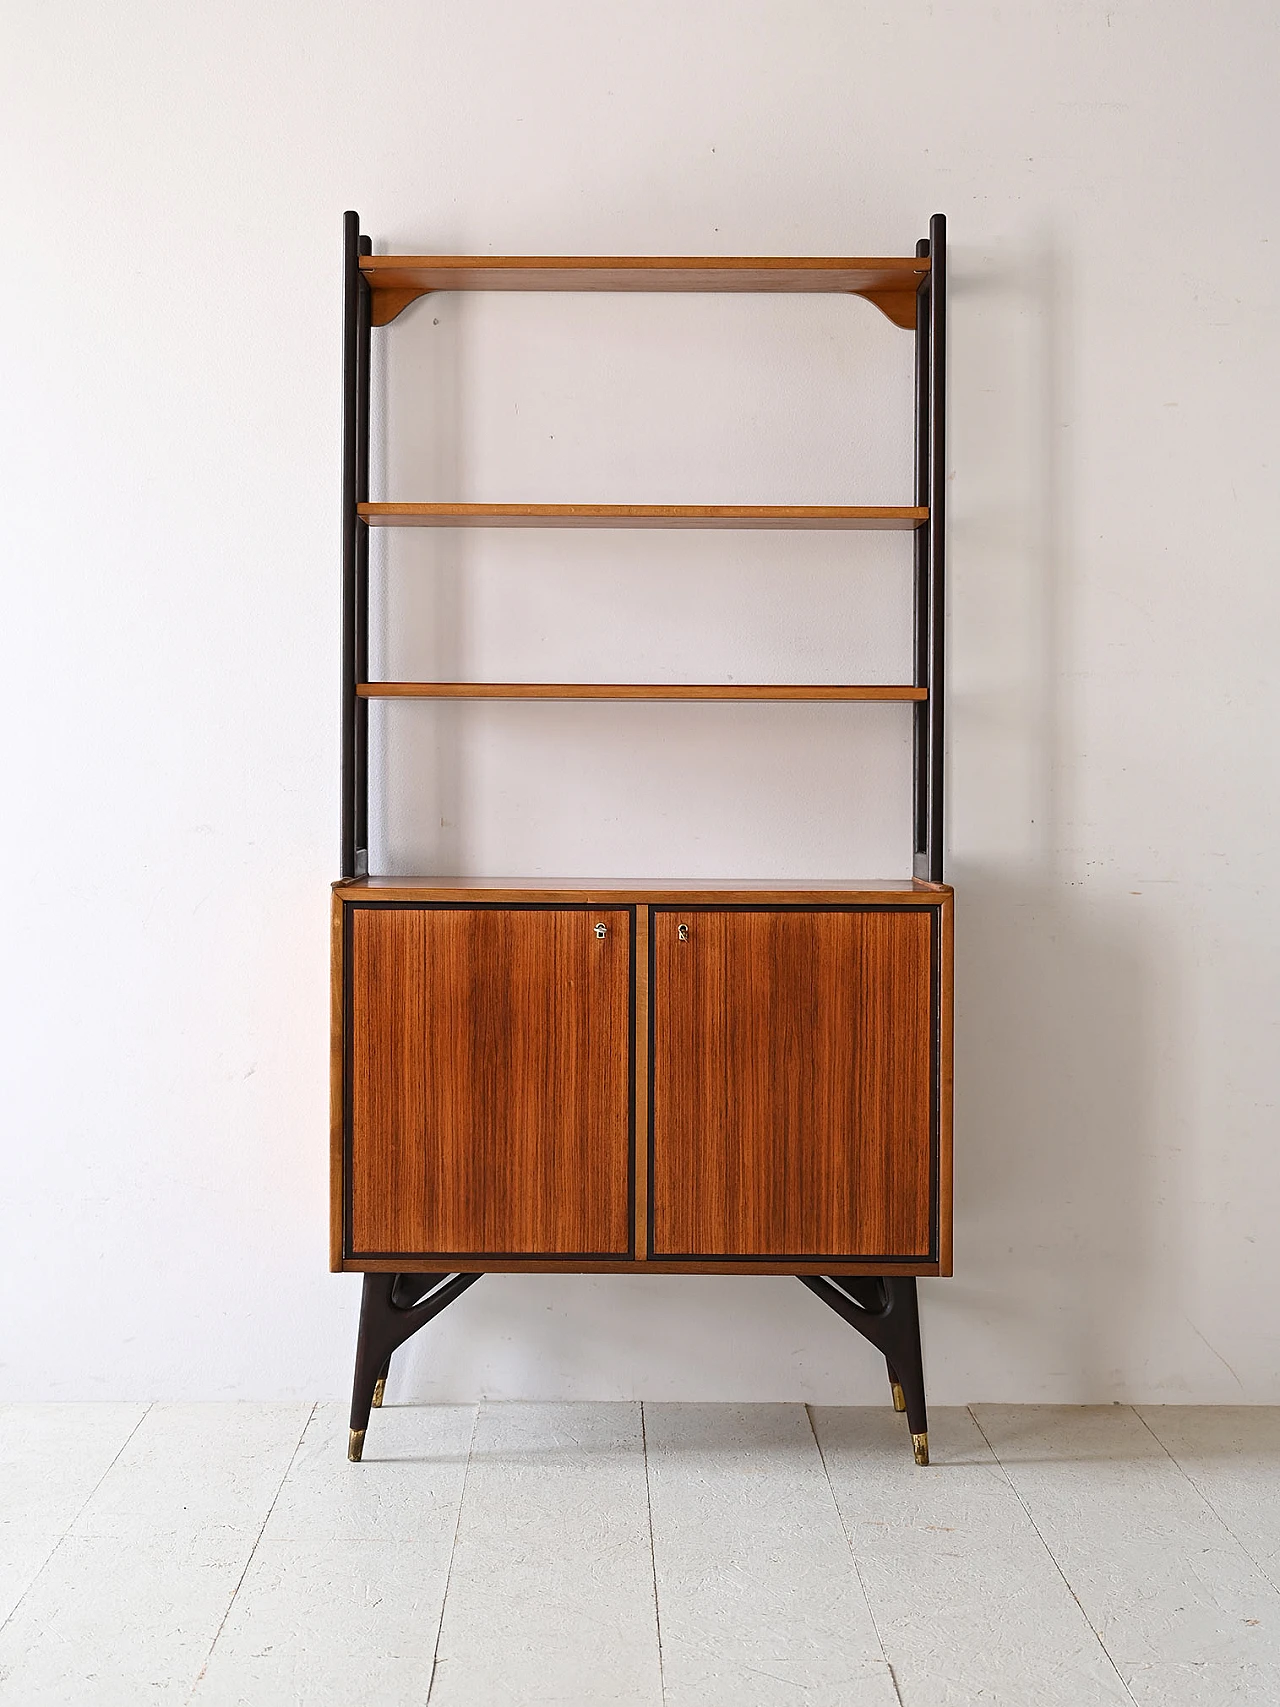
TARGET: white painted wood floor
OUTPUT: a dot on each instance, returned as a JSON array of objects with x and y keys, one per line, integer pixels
[{"x": 584, "y": 1555}]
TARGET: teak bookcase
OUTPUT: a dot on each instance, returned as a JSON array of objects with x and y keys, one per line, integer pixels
[{"x": 651, "y": 1078}]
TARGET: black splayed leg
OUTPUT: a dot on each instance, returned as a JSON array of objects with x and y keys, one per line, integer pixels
[
  {"x": 392, "y": 1308},
  {"x": 885, "y": 1311}
]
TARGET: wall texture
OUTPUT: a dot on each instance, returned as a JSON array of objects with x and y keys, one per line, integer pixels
[{"x": 174, "y": 180}]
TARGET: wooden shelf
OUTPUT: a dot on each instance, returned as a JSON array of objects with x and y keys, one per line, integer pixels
[
  {"x": 889, "y": 282},
  {"x": 752, "y": 516},
  {"x": 805, "y": 273},
  {"x": 631, "y": 690}
]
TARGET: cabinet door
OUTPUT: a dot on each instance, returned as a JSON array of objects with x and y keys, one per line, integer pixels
[
  {"x": 489, "y": 1080},
  {"x": 793, "y": 1073}
]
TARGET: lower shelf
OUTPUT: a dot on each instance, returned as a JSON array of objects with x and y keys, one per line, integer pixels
[
  {"x": 635, "y": 690},
  {"x": 896, "y": 517}
]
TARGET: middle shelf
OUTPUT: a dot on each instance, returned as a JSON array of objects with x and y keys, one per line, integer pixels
[
  {"x": 634, "y": 690},
  {"x": 903, "y": 517}
]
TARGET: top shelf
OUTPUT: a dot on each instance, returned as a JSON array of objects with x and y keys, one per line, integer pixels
[
  {"x": 890, "y": 282},
  {"x": 640, "y": 272}
]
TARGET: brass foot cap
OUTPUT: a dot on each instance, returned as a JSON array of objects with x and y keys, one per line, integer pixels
[
  {"x": 920, "y": 1444},
  {"x": 899, "y": 1397},
  {"x": 355, "y": 1445},
  {"x": 379, "y": 1388}
]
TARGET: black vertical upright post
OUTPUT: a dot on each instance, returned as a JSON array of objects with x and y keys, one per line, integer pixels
[
  {"x": 355, "y": 547},
  {"x": 364, "y": 326},
  {"x": 937, "y": 538},
  {"x": 920, "y": 728},
  {"x": 350, "y": 528}
]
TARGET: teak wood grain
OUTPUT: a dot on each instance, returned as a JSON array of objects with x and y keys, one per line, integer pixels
[
  {"x": 726, "y": 516},
  {"x": 635, "y": 690},
  {"x": 891, "y": 282},
  {"x": 792, "y": 1072},
  {"x": 803, "y": 273},
  {"x": 946, "y": 1075},
  {"x": 490, "y": 1086},
  {"x": 508, "y": 898},
  {"x": 337, "y": 1042}
]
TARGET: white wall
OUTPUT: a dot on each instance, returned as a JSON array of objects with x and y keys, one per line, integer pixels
[{"x": 174, "y": 181}]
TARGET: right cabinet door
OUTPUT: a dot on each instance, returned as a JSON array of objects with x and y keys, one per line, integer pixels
[{"x": 794, "y": 1096}]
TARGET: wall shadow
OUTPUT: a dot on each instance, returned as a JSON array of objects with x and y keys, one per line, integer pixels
[{"x": 1059, "y": 994}]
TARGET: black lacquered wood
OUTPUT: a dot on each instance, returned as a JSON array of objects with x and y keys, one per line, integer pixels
[
  {"x": 351, "y": 527},
  {"x": 937, "y": 500},
  {"x": 356, "y": 363}
]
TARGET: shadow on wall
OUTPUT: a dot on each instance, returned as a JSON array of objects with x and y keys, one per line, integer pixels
[
  {"x": 1056, "y": 1003},
  {"x": 1058, "y": 996},
  {"x": 418, "y": 431}
]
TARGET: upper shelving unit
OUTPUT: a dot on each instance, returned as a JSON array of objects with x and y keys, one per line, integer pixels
[
  {"x": 909, "y": 289},
  {"x": 790, "y": 516},
  {"x": 890, "y": 282}
]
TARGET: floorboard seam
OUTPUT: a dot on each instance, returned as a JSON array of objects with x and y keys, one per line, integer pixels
[
  {"x": 79, "y": 1514},
  {"x": 1120, "y": 1678},
  {"x": 222, "y": 1623},
  {"x": 453, "y": 1548},
  {"x": 853, "y": 1558},
  {"x": 653, "y": 1561},
  {"x": 1200, "y": 1493}
]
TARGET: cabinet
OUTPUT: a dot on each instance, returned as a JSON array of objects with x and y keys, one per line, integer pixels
[{"x": 668, "y": 1077}]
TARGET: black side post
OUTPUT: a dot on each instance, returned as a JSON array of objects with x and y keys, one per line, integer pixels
[
  {"x": 931, "y": 584},
  {"x": 937, "y": 538},
  {"x": 356, "y": 349},
  {"x": 886, "y": 1312},
  {"x": 364, "y": 326},
  {"x": 392, "y": 1309}
]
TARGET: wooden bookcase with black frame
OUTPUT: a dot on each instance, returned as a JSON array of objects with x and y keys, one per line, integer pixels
[{"x": 643, "y": 1078}]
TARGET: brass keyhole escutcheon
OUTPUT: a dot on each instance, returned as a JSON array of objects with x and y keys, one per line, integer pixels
[
  {"x": 602, "y": 930},
  {"x": 682, "y": 933}
]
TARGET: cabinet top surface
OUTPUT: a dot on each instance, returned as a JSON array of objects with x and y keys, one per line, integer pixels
[{"x": 616, "y": 890}]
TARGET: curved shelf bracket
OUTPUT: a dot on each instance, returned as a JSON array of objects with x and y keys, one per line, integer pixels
[
  {"x": 898, "y": 305},
  {"x": 387, "y": 304}
]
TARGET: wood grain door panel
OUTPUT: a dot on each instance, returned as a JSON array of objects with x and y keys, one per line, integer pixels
[
  {"x": 489, "y": 1075},
  {"x": 793, "y": 1071}
]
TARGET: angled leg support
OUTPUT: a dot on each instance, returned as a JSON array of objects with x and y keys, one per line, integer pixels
[
  {"x": 886, "y": 1312},
  {"x": 392, "y": 1309}
]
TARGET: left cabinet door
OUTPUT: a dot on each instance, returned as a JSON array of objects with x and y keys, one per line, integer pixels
[{"x": 488, "y": 1081}]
